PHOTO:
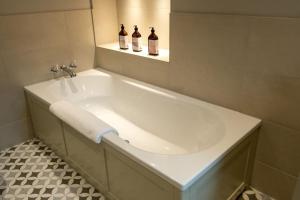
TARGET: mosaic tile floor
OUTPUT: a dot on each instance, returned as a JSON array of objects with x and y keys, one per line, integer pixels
[{"x": 32, "y": 171}]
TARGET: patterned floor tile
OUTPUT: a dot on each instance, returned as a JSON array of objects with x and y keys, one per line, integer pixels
[
  {"x": 33, "y": 171},
  {"x": 253, "y": 194}
]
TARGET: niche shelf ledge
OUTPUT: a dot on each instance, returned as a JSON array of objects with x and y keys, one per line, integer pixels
[{"x": 163, "y": 53}]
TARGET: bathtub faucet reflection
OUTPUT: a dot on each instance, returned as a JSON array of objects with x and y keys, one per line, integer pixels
[{"x": 69, "y": 69}]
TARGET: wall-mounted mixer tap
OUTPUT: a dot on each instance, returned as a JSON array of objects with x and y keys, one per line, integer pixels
[{"x": 69, "y": 69}]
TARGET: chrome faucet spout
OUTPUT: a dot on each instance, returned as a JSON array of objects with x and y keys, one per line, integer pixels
[{"x": 69, "y": 70}]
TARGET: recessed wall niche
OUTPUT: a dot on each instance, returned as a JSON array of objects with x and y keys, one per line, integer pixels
[{"x": 109, "y": 14}]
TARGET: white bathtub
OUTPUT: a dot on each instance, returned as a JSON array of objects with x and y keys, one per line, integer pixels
[{"x": 179, "y": 138}]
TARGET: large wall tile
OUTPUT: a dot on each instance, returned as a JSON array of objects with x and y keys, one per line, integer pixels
[
  {"x": 147, "y": 70},
  {"x": 14, "y": 133},
  {"x": 273, "y": 46},
  {"x": 278, "y": 146},
  {"x": 206, "y": 62},
  {"x": 79, "y": 27},
  {"x": 273, "y": 182},
  {"x": 105, "y": 58},
  {"x": 13, "y": 105},
  {"x": 286, "y": 8},
  {"x": 81, "y": 38},
  {"x": 150, "y": 71},
  {"x": 209, "y": 40},
  {"x": 105, "y": 21},
  {"x": 34, "y": 66},
  {"x": 271, "y": 97},
  {"x": 2, "y": 73},
  {"x": 23, "y": 33},
  {"x": 30, "y": 6},
  {"x": 145, "y": 4}
]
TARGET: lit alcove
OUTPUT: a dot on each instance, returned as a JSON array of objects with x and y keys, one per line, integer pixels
[{"x": 109, "y": 14}]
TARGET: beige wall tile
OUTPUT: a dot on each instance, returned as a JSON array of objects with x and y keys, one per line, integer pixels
[
  {"x": 150, "y": 71},
  {"x": 105, "y": 21},
  {"x": 290, "y": 8},
  {"x": 14, "y": 133},
  {"x": 275, "y": 183},
  {"x": 2, "y": 73},
  {"x": 13, "y": 105},
  {"x": 296, "y": 194},
  {"x": 145, "y": 4},
  {"x": 206, "y": 62},
  {"x": 29, "y": 6},
  {"x": 273, "y": 46},
  {"x": 106, "y": 59},
  {"x": 79, "y": 27},
  {"x": 147, "y": 70},
  {"x": 209, "y": 41},
  {"x": 274, "y": 98},
  {"x": 23, "y": 33},
  {"x": 2, "y": 27},
  {"x": 81, "y": 38},
  {"x": 34, "y": 66},
  {"x": 278, "y": 146}
]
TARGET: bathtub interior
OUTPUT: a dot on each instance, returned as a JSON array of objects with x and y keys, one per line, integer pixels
[{"x": 150, "y": 119}]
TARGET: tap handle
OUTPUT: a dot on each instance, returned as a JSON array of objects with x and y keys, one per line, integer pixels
[
  {"x": 73, "y": 64},
  {"x": 55, "y": 68}
]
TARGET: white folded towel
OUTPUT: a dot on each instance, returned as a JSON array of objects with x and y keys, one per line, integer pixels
[{"x": 81, "y": 120}]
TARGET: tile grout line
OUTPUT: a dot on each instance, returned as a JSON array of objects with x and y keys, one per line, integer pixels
[{"x": 277, "y": 170}]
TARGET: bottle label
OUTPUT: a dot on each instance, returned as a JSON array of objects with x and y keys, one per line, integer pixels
[
  {"x": 137, "y": 44},
  {"x": 153, "y": 46},
  {"x": 123, "y": 40}
]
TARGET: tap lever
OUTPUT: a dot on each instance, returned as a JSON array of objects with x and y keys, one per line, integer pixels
[
  {"x": 55, "y": 69},
  {"x": 73, "y": 64}
]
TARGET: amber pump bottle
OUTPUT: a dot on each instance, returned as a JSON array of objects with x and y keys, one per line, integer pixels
[
  {"x": 136, "y": 40},
  {"x": 153, "y": 43},
  {"x": 123, "y": 38}
]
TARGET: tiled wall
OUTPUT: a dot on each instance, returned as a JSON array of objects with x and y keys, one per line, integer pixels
[
  {"x": 33, "y": 36},
  {"x": 247, "y": 63}
]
